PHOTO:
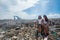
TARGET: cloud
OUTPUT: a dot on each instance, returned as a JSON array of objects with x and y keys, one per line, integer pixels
[
  {"x": 10, "y": 8},
  {"x": 53, "y": 15},
  {"x": 23, "y": 15},
  {"x": 40, "y": 7},
  {"x": 26, "y": 16},
  {"x": 18, "y": 5}
]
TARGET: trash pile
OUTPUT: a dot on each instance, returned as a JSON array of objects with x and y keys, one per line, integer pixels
[{"x": 24, "y": 33}]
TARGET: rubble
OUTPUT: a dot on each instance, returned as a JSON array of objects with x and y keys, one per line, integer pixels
[
  {"x": 25, "y": 33},
  {"x": 25, "y": 29},
  {"x": 14, "y": 38}
]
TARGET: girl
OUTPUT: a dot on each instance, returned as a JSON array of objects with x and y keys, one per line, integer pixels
[
  {"x": 46, "y": 24},
  {"x": 39, "y": 23},
  {"x": 38, "y": 33}
]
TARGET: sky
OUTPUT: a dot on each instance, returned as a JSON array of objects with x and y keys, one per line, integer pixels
[{"x": 29, "y": 9}]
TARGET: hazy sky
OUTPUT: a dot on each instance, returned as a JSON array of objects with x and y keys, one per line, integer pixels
[{"x": 29, "y": 9}]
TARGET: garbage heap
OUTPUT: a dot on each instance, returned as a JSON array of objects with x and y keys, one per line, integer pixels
[{"x": 23, "y": 33}]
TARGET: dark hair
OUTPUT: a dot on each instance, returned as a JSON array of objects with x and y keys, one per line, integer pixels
[
  {"x": 39, "y": 17},
  {"x": 46, "y": 19}
]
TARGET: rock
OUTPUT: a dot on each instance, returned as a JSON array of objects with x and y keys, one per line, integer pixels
[
  {"x": 1, "y": 37},
  {"x": 14, "y": 38},
  {"x": 3, "y": 32}
]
